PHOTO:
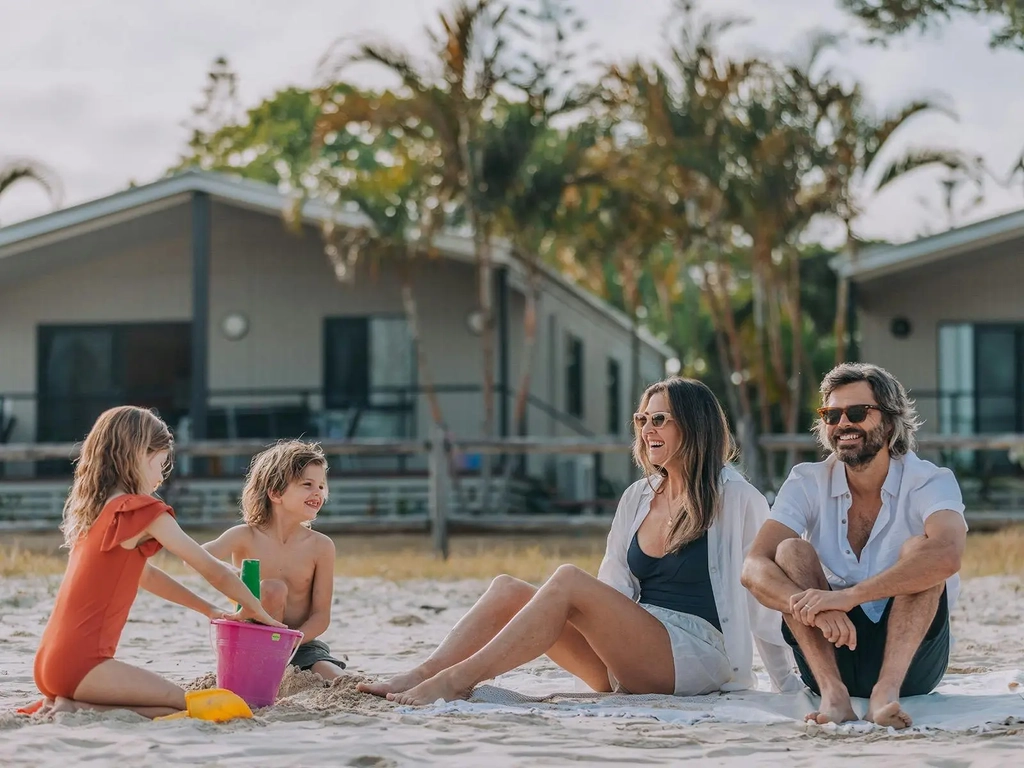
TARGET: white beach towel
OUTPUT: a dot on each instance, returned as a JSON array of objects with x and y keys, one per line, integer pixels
[{"x": 962, "y": 703}]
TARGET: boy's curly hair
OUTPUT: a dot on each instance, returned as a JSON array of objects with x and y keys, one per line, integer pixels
[{"x": 271, "y": 471}]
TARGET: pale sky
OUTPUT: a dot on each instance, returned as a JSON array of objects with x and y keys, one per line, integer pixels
[{"x": 99, "y": 91}]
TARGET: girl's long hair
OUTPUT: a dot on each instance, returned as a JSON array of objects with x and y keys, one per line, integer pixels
[
  {"x": 110, "y": 461},
  {"x": 705, "y": 448}
]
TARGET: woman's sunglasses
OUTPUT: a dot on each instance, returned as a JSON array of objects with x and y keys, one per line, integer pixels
[
  {"x": 657, "y": 419},
  {"x": 854, "y": 413}
]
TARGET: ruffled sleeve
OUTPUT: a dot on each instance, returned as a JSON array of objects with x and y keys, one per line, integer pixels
[{"x": 131, "y": 515}]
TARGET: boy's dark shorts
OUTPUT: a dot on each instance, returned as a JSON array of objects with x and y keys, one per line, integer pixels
[
  {"x": 310, "y": 653},
  {"x": 859, "y": 669}
]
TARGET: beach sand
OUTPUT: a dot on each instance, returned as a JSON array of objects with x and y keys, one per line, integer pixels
[{"x": 382, "y": 627}]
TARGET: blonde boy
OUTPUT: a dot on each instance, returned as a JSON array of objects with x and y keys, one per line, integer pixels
[{"x": 284, "y": 490}]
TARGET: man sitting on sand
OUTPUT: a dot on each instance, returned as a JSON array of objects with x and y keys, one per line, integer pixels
[
  {"x": 866, "y": 595},
  {"x": 285, "y": 489}
]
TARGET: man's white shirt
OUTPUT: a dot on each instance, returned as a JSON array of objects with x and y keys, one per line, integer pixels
[{"x": 815, "y": 501}]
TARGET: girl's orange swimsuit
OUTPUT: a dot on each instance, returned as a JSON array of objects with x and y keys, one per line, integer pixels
[{"x": 96, "y": 594}]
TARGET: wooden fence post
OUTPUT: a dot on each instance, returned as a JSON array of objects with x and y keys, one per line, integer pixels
[{"x": 440, "y": 490}]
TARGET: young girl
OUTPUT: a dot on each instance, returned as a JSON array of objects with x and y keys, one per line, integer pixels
[{"x": 113, "y": 525}]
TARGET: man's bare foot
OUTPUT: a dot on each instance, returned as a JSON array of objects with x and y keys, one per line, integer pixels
[
  {"x": 884, "y": 709},
  {"x": 835, "y": 708},
  {"x": 397, "y": 684},
  {"x": 441, "y": 686}
]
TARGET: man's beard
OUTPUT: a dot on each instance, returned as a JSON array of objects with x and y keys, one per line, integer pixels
[{"x": 872, "y": 443}]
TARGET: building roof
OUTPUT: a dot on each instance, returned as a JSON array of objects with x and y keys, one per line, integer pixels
[
  {"x": 259, "y": 196},
  {"x": 889, "y": 259}
]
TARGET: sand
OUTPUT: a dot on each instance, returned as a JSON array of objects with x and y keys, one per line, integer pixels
[{"x": 381, "y": 627}]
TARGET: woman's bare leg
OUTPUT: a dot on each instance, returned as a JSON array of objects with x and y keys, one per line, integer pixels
[
  {"x": 633, "y": 644},
  {"x": 116, "y": 685},
  {"x": 505, "y": 597}
]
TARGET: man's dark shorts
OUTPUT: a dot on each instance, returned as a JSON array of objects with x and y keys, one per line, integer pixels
[
  {"x": 859, "y": 669},
  {"x": 310, "y": 653}
]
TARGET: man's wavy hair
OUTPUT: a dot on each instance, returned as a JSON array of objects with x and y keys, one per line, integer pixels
[
  {"x": 271, "y": 471},
  {"x": 898, "y": 412}
]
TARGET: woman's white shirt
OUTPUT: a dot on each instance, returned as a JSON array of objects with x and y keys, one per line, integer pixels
[{"x": 744, "y": 620}]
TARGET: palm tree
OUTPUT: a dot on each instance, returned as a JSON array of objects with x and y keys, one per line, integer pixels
[
  {"x": 446, "y": 101},
  {"x": 483, "y": 108},
  {"x": 692, "y": 116},
  {"x": 864, "y": 171},
  {"x": 394, "y": 193}
]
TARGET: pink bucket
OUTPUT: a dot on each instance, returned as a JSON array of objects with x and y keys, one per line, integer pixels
[{"x": 252, "y": 658}]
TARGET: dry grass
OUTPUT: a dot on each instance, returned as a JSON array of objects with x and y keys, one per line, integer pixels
[
  {"x": 995, "y": 553},
  {"x": 533, "y": 558},
  {"x": 393, "y": 557},
  {"x": 17, "y": 560}
]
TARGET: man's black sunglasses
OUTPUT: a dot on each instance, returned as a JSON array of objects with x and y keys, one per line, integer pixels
[{"x": 854, "y": 413}]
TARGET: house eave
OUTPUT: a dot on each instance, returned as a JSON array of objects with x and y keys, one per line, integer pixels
[
  {"x": 265, "y": 198},
  {"x": 883, "y": 261}
]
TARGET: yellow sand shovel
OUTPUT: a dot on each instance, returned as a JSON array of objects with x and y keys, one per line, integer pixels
[{"x": 217, "y": 705}]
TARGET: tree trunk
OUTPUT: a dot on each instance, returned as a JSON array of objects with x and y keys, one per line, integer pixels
[
  {"x": 731, "y": 354},
  {"x": 778, "y": 363},
  {"x": 760, "y": 365},
  {"x": 796, "y": 353},
  {"x": 412, "y": 317},
  {"x": 842, "y": 308},
  {"x": 731, "y": 396},
  {"x": 631, "y": 300},
  {"x": 485, "y": 269},
  {"x": 422, "y": 366},
  {"x": 840, "y": 329},
  {"x": 482, "y": 252},
  {"x": 523, "y": 390}
]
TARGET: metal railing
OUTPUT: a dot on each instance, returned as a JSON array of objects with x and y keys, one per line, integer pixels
[
  {"x": 271, "y": 413},
  {"x": 445, "y": 503},
  {"x": 444, "y": 499}
]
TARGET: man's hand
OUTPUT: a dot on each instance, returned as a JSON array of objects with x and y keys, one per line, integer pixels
[
  {"x": 837, "y": 629},
  {"x": 805, "y": 606}
]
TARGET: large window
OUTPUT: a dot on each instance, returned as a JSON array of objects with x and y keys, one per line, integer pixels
[
  {"x": 574, "y": 376},
  {"x": 85, "y": 369},
  {"x": 369, "y": 376},
  {"x": 981, "y": 382},
  {"x": 981, "y": 378}
]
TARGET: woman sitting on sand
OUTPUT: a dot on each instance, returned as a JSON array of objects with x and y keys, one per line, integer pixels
[{"x": 667, "y": 613}]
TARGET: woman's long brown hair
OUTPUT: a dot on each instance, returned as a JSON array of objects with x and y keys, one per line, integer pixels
[
  {"x": 109, "y": 461},
  {"x": 705, "y": 448}
]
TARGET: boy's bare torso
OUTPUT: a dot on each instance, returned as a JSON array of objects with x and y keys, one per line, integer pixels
[{"x": 293, "y": 562}]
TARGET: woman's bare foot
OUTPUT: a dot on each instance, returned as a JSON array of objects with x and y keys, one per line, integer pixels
[
  {"x": 884, "y": 709},
  {"x": 397, "y": 684},
  {"x": 836, "y": 707},
  {"x": 443, "y": 685}
]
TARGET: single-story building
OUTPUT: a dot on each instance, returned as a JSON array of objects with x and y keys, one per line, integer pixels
[
  {"x": 945, "y": 314},
  {"x": 190, "y": 295}
]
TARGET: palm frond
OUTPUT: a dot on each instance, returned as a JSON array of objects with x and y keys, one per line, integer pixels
[
  {"x": 913, "y": 160},
  {"x": 877, "y": 133},
  {"x": 18, "y": 170}
]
